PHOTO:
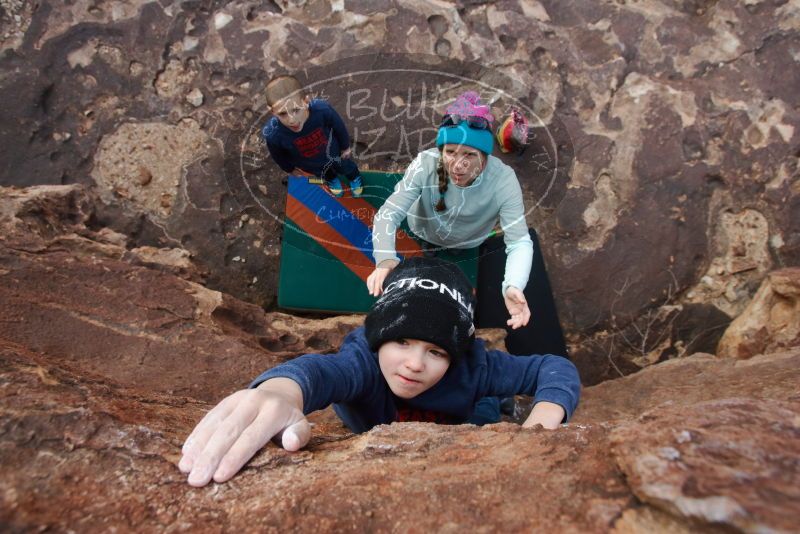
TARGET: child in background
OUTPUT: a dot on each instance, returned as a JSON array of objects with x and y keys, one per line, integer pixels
[
  {"x": 415, "y": 359},
  {"x": 308, "y": 137}
]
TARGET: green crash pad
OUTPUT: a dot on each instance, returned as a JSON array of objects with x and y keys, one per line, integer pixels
[{"x": 326, "y": 250}]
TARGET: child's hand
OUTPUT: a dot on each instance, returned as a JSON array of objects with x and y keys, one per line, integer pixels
[
  {"x": 346, "y": 153},
  {"x": 517, "y": 307},
  {"x": 547, "y": 414},
  {"x": 239, "y": 426},
  {"x": 375, "y": 280}
]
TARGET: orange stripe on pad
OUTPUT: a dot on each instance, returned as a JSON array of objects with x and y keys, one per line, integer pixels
[
  {"x": 331, "y": 240},
  {"x": 365, "y": 212}
]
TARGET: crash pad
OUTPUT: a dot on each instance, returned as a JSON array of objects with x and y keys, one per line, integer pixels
[{"x": 326, "y": 248}]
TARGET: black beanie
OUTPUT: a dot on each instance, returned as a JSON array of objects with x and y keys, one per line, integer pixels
[{"x": 427, "y": 299}]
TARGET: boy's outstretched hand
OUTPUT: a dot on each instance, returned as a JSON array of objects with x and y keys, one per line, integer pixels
[
  {"x": 547, "y": 414},
  {"x": 239, "y": 426}
]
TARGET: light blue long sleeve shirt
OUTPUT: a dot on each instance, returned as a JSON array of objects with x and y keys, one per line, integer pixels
[{"x": 471, "y": 214}]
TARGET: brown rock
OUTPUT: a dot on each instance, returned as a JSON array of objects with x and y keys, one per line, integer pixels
[
  {"x": 658, "y": 335},
  {"x": 30, "y": 217},
  {"x": 668, "y": 144},
  {"x": 692, "y": 119},
  {"x": 85, "y": 297},
  {"x": 771, "y": 322},
  {"x": 107, "y": 235},
  {"x": 174, "y": 260},
  {"x": 80, "y": 451},
  {"x": 732, "y": 462},
  {"x": 647, "y": 519},
  {"x": 102, "y": 363},
  {"x": 691, "y": 380},
  {"x": 663, "y": 188},
  {"x": 145, "y": 176},
  {"x": 149, "y": 328}
]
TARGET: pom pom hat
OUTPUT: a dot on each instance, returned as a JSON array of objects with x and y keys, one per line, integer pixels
[
  {"x": 467, "y": 122},
  {"x": 512, "y": 135}
]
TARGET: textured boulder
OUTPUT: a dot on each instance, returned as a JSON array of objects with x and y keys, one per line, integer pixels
[
  {"x": 108, "y": 359},
  {"x": 770, "y": 322},
  {"x": 731, "y": 462},
  {"x": 61, "y": 219},
  {"x": 688, "y": 381},
  {"x": 82, "y": 452},
  {"x": 127, "y": 314},
  {"x": 662, "y": 179},
  {"x": 146, "y": 327}
]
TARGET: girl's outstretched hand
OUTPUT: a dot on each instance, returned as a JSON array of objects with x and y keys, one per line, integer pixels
[
  {"x": 375, "y": 280},
  {"x": 239, "y": 426},
  {"x": 517, "y": 307}
]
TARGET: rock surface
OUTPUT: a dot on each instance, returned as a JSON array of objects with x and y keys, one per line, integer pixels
[
  {"x": 82, "y": 452},
  {"x": 662, "y": 180},
  {"x": 691, "y": 380},
  {"x": 124, "y": 314},
  {"x": 770, "y": 322},
  {"x": 107, "y": 362},
  {"x": 731, "y": 462}
]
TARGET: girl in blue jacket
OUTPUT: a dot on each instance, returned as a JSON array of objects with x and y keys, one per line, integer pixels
[{"x": 415, "y": 359}]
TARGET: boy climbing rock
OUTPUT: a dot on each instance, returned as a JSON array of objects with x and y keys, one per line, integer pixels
[{"x": 415, "y": 359}]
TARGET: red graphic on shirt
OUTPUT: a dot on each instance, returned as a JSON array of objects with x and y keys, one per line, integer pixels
[{"x": 312, "y": 144}]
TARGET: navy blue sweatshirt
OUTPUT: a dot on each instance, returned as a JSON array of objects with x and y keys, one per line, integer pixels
[
  {"x": 351, "y": 380},
  {"x": 322, "y": 139}
]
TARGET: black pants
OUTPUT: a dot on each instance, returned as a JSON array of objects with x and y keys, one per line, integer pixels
[
  {"x": 337, "y": 166},
  {"x": 542, "y": 334}
]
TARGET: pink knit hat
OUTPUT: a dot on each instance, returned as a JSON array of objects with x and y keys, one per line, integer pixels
[{"x": 468, "y": 105}]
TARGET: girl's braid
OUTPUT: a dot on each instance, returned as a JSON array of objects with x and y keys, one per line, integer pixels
[{"x": 440, "y": 206}]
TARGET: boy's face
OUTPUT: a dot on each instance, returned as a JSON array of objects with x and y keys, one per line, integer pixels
[
  {"x": 292, "y": 112},
  {"x": 412, "y": 366}
]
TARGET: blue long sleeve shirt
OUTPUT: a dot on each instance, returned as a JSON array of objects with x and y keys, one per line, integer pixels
[
  {"x": 351, "y": 380},
  {"x": 321, "y": 140}
]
